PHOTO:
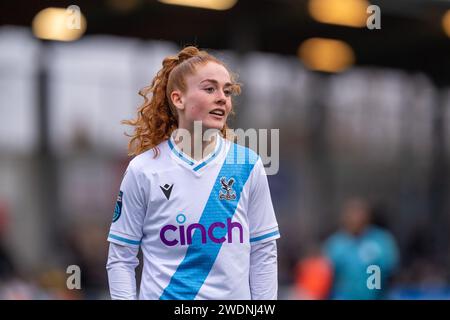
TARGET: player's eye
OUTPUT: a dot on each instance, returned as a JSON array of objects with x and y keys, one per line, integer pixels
[
  {"x": 228, "y": 92},
  {"x": 209, "y": 89}
]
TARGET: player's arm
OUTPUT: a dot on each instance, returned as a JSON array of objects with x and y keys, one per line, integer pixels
[
  {"x": 126, "y": 233},
  {"x": 121, "y": 265},
  {"x": 263, "y": 271},
  {"x": 263, "y": 235}
]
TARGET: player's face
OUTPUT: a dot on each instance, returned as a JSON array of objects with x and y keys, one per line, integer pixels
[{"x": 207, "y": 97}]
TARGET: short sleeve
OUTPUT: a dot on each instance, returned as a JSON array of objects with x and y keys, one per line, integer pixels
[
  {"x": 130, "y": 209},
  {"x": 262, "y": 221}
]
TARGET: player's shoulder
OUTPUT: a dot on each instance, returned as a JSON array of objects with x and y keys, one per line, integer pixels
[{"x": 150, "y": 160}]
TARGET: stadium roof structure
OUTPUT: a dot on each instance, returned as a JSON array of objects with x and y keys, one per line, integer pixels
[{"x": 411, "y": 35}]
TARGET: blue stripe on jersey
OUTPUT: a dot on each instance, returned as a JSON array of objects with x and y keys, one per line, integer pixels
[
  {"x": 204, "y": 163},
  {"x": 189, "y": 162},
  {"x": 264, "y": 236},
  {"x": 124, "y": 239},
  {"x": 199, "y": 259}
]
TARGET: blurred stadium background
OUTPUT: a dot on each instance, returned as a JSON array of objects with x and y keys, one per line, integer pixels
[{"x": 361, "y": 113}]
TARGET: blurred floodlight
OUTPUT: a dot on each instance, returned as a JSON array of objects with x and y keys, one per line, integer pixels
[
  {"x": 61, "y": 24},
  {"x": 446, "y": 22},
  {"x": 205, "y": 4},
  {"x": 351, "y": 13},
  {"x": 326, "y": 55}
]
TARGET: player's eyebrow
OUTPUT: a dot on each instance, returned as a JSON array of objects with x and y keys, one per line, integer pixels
[{"x": 216, "y": 82}]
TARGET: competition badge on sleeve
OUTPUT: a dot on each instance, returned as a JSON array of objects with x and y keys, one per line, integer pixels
[{"x": 118, "y": 207}]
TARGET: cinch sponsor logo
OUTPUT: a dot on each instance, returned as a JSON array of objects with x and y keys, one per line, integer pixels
[{"x": 171, "y": 235}]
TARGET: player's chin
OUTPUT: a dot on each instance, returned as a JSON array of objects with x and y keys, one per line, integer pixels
[{"x": 215, "y": 123}]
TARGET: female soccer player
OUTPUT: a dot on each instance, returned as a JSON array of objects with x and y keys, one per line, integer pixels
[{"x": 203, "y": 220}]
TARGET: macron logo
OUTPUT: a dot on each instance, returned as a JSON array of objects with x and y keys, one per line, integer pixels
[{"x": 167, "y": 189}]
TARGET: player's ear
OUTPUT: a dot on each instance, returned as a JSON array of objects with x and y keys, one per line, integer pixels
[{"x": 177, "y": 99}]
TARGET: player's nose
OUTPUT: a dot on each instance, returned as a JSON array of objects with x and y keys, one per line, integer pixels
[{"x": 220, "y": 98}]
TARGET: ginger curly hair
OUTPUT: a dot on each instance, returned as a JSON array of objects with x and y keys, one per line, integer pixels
[{"x": 157, "y": 117}]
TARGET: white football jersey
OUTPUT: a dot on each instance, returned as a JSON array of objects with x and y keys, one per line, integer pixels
[{"x": 195, "y": 221}]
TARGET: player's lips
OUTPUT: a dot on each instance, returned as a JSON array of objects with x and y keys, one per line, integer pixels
[{"x": 217, "y": 112}]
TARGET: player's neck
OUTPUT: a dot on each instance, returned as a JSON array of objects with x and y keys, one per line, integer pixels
[{"x": 196, "y": 147}]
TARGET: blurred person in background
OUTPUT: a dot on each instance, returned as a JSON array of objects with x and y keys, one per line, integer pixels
[
  {"x": 313, "y": 275},
  {"x": 12, "y": 286},
  {"x": 354, "y": 252},
  {"x": 85, "y": 241}
]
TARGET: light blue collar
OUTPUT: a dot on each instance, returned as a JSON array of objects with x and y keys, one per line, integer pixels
[{"x": 196, "y": 165}]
